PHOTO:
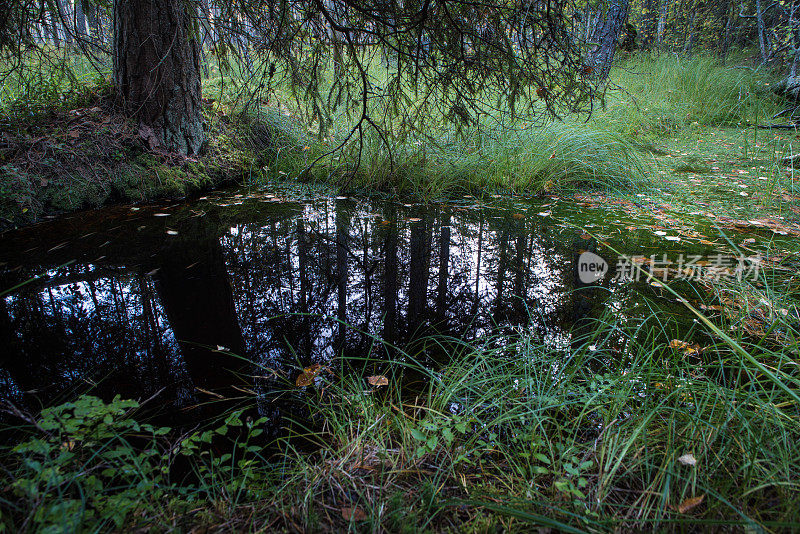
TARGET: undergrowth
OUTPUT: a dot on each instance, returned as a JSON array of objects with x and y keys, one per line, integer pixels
[{"x": 627, "y": 429}]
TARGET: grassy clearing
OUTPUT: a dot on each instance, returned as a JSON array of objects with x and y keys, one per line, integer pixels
[
  {"x": 657, "y": 100},
  {"x": 666, "y": 94},
  {"x": 625, "y": 430}
]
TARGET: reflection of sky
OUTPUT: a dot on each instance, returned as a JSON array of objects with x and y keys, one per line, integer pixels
[
  {"x": 99, "y": 324},
  {"x": 91, "y": 320}
]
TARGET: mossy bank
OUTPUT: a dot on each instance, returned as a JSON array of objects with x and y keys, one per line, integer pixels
[{"x": 83, "y": 153}]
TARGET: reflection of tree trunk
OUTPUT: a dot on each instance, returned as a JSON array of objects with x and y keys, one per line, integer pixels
[
  {"x": 23, "y": 357},
  {"x": 519, "y": 276},
  {"x": 444, "y": 263},
  {"x": 302, "y": 262},
  {"x": 418, "y": 271},
  {"x": 200, "y": 307},
  {"x": 390, "y": 282},
  {"x": 477, "y": 300},
  {"x": 149, "y": 319},
  {"x": 342, "y": 232},
  {"x": 502, "y": 266}
]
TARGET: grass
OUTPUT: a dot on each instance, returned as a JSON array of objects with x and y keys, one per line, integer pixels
[
  {"x": 628, "y": 428},
  {"x": 624, "y": 430}
]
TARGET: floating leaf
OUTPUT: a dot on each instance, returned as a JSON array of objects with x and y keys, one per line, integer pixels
[
  {"x": 688, "y": 504},
  {"x": 687, "y": 459},
  {"x": 308, "y": 375},
  {"x": 353, "y": 514},
  {"x": 518, "y": 216},
  {"x": 688, "y": 349},
  {"x": 378, "y": 380}
]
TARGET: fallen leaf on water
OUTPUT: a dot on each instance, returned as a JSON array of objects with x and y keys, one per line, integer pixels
[
  {"x": 518, "y": 216},
  {"x": 308, "y": 375},
  {"x": 687, "y": 459},
  {"x": 378, "y": 380},
  {"x": 688, "y": 349},
  {"x": 354, "y": 514},
  {"x": 688, "y": 504}
]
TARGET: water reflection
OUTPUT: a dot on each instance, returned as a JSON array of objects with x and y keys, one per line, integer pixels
[{"x": 156, "y": 302}]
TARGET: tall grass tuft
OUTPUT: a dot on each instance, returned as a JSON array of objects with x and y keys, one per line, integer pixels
[{"x": 664, "y": 93}]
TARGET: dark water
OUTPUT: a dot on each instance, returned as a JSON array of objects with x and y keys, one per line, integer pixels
[{"x": 147, "y": 295}]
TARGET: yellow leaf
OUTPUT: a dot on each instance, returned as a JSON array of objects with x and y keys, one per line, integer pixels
[
  {"x": 378, "y": 380},
  {"x": 308, "y": 375},
  {"x": 688, "y": 504}
]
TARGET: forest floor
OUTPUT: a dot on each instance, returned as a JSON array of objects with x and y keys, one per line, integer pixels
[
  {"x": 665, "y": 435},
  {"x": 83, "y": 153}
]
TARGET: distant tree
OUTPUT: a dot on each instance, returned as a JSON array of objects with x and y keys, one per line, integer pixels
[{"x": 455, "y": 59}]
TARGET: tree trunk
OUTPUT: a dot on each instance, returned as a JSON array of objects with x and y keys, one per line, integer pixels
[
  {"x": 53, "y": 14},
  {"x": 725, "y": 44},
  {"x": 662, "y": 22},
  {"x": 157, "y": 70},
  {"x": 762, "y": 38},
  {"x": 605, "y": 35},
  {"x": 649, "y": 23},
  {"x": 80, "y": 19},
  {"x": 94, "y": 20},
  {"x": 687, "y": 47}
]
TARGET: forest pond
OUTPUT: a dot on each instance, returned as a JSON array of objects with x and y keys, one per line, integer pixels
[{"x": 140, "y": 300}]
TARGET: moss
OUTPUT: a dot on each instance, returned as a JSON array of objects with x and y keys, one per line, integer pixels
[{"x": 61, "y": 163}]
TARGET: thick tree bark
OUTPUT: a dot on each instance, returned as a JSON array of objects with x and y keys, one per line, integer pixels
[
  {"x": 157, "y": 70},
  {"x": 605, "y": 35}
]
